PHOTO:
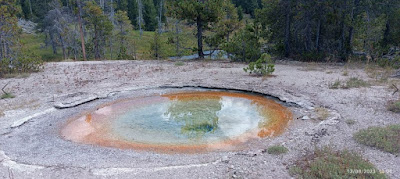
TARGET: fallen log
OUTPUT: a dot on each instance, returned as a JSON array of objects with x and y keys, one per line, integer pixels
[{"x": 2, "y": 89}]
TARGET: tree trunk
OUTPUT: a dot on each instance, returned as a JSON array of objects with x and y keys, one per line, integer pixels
[
  {"x": 53, "y": 43},
  {"x": 102, "y": 4},
  {"x": 342, "y": 50},
  {"x": 160, "y": 16},
  {"x": 243, "y": 50},
  {"x": 111, "y": 49},
  {"x": 96, "y": 44},
  {"x": 63, "y": 47},
  {"x": 200, "y": 37},
  {"x": 386, "y": 34},
  {"x": 308, "y": 34},
  {"x": 287, "y": 29},
  {"x": 177, "y": 42},
  {"x": 2, "y": 49},
  {"x": 30, "y": 8},
  {"x": 228, "y": 39},
  {"x": 81, "y": 30},
  {"x": 368, "y": 38},
  {"x": 112, "y": 11},
  {"x": 140, "y": 16},
  {"x": 317, "y": 39},
  {"x": 157, "y": 45},
  {"x": 351, "y": 28}
]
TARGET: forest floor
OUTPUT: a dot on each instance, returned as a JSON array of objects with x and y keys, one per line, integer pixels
[{"x": 31, "y": 146}]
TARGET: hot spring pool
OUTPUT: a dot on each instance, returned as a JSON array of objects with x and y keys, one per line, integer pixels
[{"x": 180, "y": 122}]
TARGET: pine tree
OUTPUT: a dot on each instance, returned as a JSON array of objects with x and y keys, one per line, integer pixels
[
  {"x": 100, "y": 26},
  {"x": 249, "y": 6},
  {"x": 140, "y": 16},
  {"x": 123, "y": 26},
  {"x": 9, "y": 30},
  {"x": 132, "y": 9},
  {"x": 156, "y": 46},
  {"x": 79, "y": 14},
  {"x": 223, "y": 29},
  {"x": 245, "y": 45},
  {"x": 200, "y": 12},
  {"x": 149, "y": 15}
]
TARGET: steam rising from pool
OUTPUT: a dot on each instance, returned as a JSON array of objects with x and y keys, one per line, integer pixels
[{"x": 181, "y": 122}]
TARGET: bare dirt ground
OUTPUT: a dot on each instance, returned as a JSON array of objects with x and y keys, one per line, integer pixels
[{"x": 30, "y": 145}]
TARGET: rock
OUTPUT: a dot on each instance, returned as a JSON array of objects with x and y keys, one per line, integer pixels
[
  {"x": 28, "y": 27},
  {"x": 305, "y": 118},
  {"x": 263, "y": 151},
  {"x": 225, "y": 159},
  {"x": 333, "y": 119},
  {"x": 75, "y": 99},
  {"x": 396, "y": 75},
  {"x": 305, "y": 104}
]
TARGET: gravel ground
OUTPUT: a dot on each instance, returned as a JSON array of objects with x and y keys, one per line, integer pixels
[{"x": 31, "y": 145}]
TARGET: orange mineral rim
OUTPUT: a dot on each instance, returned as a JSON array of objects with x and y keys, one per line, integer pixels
[{"x": 98, "y": 127}]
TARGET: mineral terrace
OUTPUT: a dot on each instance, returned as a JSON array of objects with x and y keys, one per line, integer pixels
[{"x": 31, "y": 145}]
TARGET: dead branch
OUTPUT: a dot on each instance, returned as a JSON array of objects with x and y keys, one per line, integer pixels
[
  {"x": 2, "y": 89},
  {"x": 397, "y": 89}
]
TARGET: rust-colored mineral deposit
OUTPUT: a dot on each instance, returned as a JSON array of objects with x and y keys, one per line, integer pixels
[{"x": 187, "y": 122}]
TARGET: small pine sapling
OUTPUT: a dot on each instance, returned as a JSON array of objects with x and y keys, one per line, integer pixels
[{"x": 263, "y": 66}]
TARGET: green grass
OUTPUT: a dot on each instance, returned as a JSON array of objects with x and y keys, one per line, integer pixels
[
  {"x": 327, "y": 163},
  {"x": 179, "y": 64},
  {"x": 345, "y": 73},
  {"x": 350, "y": 122},
  {"x": 394, "y": 106},
  {"x": 277, "y": 150},
  {"x": 143, "y": 44},
  {"x": 350, "y": 83},
  {"x": 335, "y": 85},
  {"x": 355, "y": 83},
  {"x": 322, "y": 113},
  {"x": 7, "y": 96},
  {"x": 383, "y": 138},
  {"x": 35, "y": 43},
  {"x": 16, "y": 75}
]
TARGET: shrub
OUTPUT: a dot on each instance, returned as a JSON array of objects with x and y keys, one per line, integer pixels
[
  {"x": 350, "y": 122},
  {"x": 179, "y": 64},
  {"x": 311, "y": 56},
  {"x": 350, "y": 83},
  {"x": 335, "y": 85},
  {"x": 345, "y": 73},
  {"x": 5, "y": 67},
  {"x": 383, "y": 138},
  {"x": 27, "y": 62},
  {"x": 123, "y": 55},
  {"x": 391, "y": 63},
  {"x": 7, "y": 96},
  {"x": 262, "y": 66},
  {"x": 322, "y": 113},
  {"x": 326, "y": 163},
  {"x": 355, "y": 83},
  {"x": 277, "y": 150},
  {"x": 394, "y": 106}
]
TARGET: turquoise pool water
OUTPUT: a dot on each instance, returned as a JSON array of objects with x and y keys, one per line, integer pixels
[
  {"x": 180, "y": 122},
  {"x": 195, "y": 121}
]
